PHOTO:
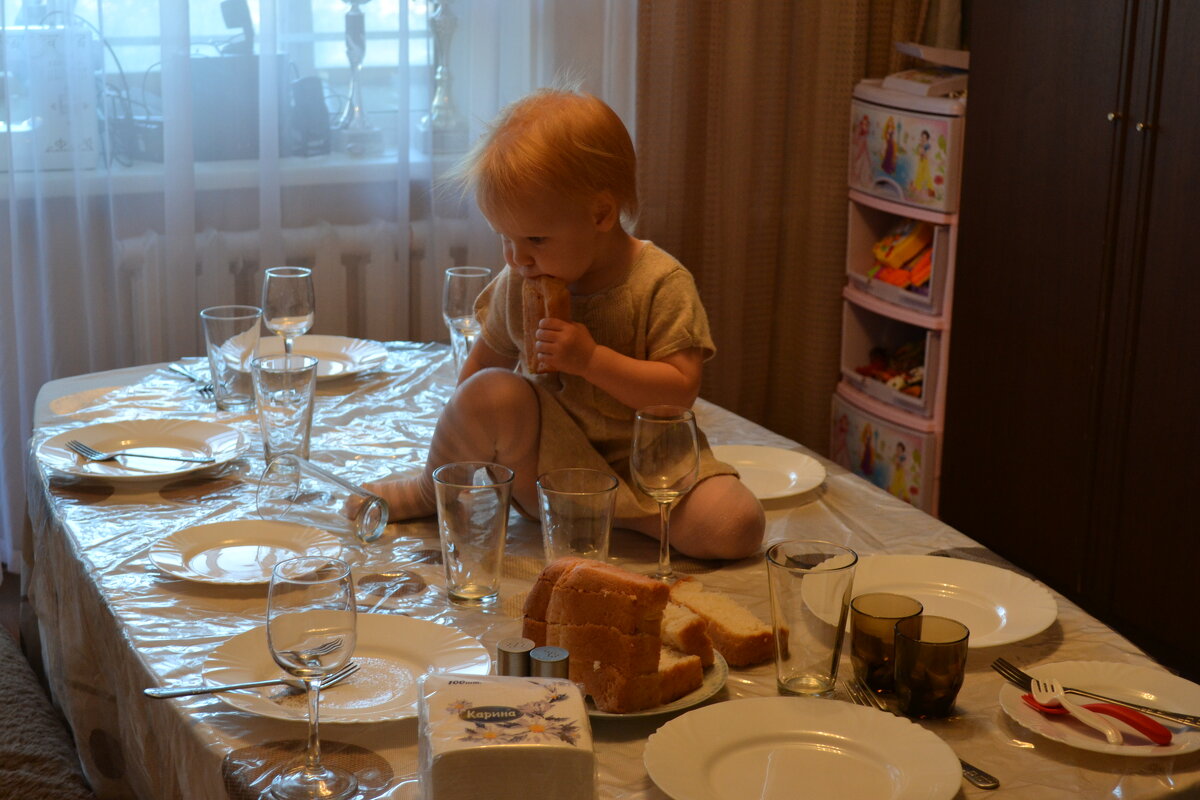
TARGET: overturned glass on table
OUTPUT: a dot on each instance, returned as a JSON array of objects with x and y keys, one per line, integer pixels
[{"x": 294, "y": 489}]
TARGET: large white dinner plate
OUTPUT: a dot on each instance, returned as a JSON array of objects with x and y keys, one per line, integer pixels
[
  {"x": 781, "y": 748},
  {"x": 164, "y": 437},
  {"x": 771, "y": 472},
  {"x": 714, "y": 681},
  {"x": 337, "y": 356},
  {"x": 1131, "y": 682},
  {"x": 997, "y": 605},
  {"x": 394, "y": 651},
  {"x": 238, "y": 552}
]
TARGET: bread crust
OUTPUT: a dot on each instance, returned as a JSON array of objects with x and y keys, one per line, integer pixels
[{"x": 541, "y": 297}]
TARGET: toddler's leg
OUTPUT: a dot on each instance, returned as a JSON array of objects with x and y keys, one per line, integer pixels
[
  {"x": 719, "y": 518},
  {"x": 492, "y": 416}
]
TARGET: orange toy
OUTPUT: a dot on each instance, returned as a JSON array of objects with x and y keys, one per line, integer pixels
[{"x": 903, "y": 243}]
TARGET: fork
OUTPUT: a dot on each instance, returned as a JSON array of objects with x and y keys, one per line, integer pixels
[
  {"x": 311, "y": 654},
  {"x": 1050, "y": 693},
  {"x": 92, "y": 454},
  {"x": 204, "y": 388},
  {"x": 182, "y": 691},
  {"x": 863, "y": 695},
  {"x": 1024, "y": 680}
]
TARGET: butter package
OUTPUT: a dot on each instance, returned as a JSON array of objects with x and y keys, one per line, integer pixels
[{"x": 503, "y": 738}]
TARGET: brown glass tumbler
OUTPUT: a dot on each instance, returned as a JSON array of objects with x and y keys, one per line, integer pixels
[
  {"x": 873, "y": 619},
  {"x": 931, "y": 658}
]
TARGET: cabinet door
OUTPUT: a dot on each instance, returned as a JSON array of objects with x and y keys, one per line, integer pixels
[
  {"x": 1030, "y": 284},
  {"x": 1152, "y": 459}
]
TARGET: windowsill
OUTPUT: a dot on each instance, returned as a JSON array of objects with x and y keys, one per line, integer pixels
[{"x": 144, "y": 177}]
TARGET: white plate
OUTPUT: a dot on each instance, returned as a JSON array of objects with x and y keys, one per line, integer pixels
[
  {"x": 787, "y": 747},
  {"x": 239, "y": 552},
  {"x": 714, "y": 681},
  {"x": 337, "y": 356},
  {"x": 772, "y": 472},
  {"x": 394, "y": 651},
  {"x": 998, "y": 606},
  {"x": 191, "y": 438},
  {"x": 1137, "y": 684}
]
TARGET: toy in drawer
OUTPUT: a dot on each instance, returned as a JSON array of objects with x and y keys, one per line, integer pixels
[
  {"x": 894, "y": 458},
  {"x": 890, "y": 360},
  {"x": 918, "y": 282},
  {"x": 905, "y": 147}
]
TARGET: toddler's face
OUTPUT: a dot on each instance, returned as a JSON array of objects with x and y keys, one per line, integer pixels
[{"x": 549, "y": 236}]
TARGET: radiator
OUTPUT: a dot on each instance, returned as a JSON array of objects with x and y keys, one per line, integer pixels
[{"x": 364, "y": 288}]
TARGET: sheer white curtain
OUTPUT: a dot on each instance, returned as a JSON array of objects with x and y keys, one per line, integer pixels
[{"x": 155, "y": 155}]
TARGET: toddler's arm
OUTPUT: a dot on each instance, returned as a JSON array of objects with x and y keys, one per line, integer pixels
[{"x": 569, "y": 347}]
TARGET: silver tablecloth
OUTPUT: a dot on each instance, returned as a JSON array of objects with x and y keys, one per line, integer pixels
[{"x": 111, "y": 624}]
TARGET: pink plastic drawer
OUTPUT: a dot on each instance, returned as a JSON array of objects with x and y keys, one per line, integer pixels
[
  {"x": 905, "y": 147},
  {"x": 897, "y": 459},
  {"x": 866, "y": 336}
]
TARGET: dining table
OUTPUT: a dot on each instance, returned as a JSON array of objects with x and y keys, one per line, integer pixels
[{"x": 110, "y": 620}]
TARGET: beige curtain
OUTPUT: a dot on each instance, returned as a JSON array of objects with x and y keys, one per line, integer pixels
[{"x": 742, "y": 133}]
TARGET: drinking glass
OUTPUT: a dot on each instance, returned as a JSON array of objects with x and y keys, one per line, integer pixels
[
  {"x": 288, "y": 303},
  {"x": 665, "y": 463},
  {"x": 459, "y": 292},
  {"x": 311, "y": 634}
]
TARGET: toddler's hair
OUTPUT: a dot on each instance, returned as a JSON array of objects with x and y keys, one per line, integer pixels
[{"x": 556, "y": 141}]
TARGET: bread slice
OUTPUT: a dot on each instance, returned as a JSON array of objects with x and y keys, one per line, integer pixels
[
  {"x": 687, "y": 632},
  {"x": 679, "y": 674},
  {"x": 541, "y": 297},
  {"x": 534, "y": 625},
  {"x": 742, "y": 638},
  {"x": 588, "y": 642}
]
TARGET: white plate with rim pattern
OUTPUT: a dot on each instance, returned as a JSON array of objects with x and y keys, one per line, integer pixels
[
  {"x": 337, "y": 356},
  {"x": 163, "y": 437},
  {"x": 997, "y": 605},
  {"x": 1131, "y": 682},
  {"x": 766, "y": 747},
  {"x": 238, "y": 552},
  {"x": 394, "y": 652},
  {"x": 772, "y": 472}
]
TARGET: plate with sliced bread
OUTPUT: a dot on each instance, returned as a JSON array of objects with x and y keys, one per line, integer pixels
[
  {"x": 672, "y": 668},
  {"x": 637, "y": 646}
]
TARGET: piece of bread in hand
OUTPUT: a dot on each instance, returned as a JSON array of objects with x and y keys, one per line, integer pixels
[
  {"x": 542, "y": 297},
  {"x": 742, "y": 638}
]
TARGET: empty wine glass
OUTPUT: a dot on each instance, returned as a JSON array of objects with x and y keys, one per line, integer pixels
[
  {"x": 459, "y": 292},
  {"x": 288, "y": 303},
  {"x": 311, "y": 634},
  {"x": 665, "y": 463}
]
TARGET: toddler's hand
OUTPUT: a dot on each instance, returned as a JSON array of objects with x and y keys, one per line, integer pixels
[{"x": 564, "y": 346}]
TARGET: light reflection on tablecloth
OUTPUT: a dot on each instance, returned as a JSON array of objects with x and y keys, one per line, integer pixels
[{"x": 111, "y": 624}]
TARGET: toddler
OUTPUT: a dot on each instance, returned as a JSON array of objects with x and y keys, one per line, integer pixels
[{"x": 556, "y": 178}]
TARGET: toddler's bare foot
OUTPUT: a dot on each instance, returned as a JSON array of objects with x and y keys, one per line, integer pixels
[{"x": 408, "y": 496}]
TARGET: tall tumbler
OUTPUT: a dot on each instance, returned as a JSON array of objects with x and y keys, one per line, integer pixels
[
  {"x": 810, "y": 584},
  {"x": 231, "y": 341}
]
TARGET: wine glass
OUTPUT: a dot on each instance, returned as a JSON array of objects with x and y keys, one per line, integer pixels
[
  {"x": 665, "y": 463},
  {"x": 288, "y": 303},
  {"x": 311, "y": 634},
  {"x": 459, "y": 292}
]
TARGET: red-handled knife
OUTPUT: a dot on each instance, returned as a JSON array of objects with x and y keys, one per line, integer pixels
[{"x": 1146, "y": 726}]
